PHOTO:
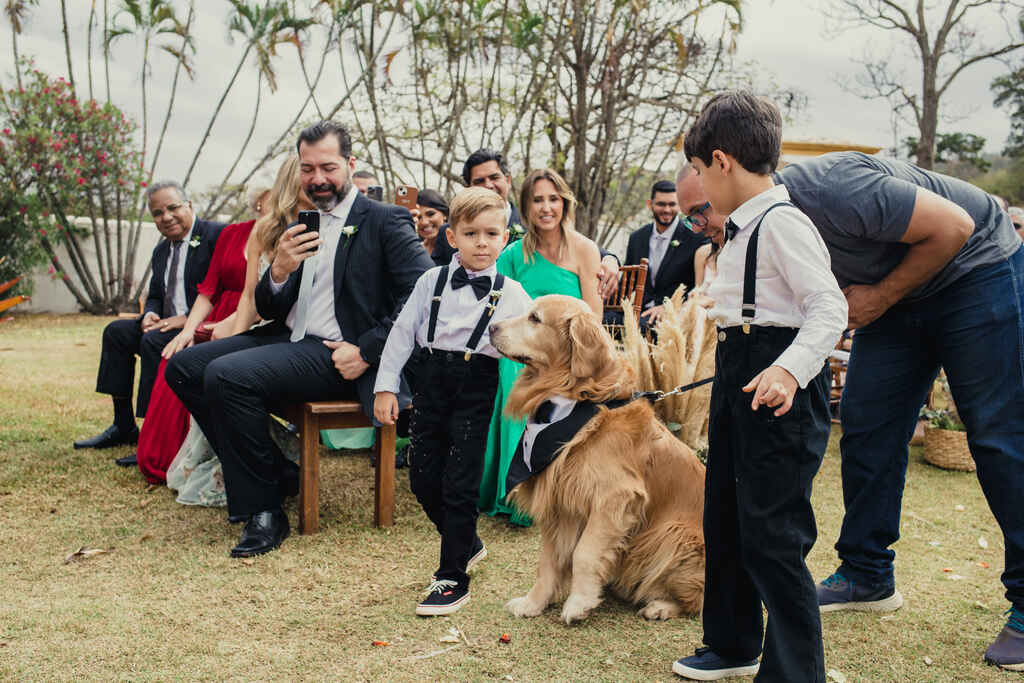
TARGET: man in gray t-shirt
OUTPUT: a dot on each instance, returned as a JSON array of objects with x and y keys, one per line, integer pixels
[{"x": 934, "y": 277}]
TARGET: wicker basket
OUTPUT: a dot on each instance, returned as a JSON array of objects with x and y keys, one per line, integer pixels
[{"x": 947, "y": 449}]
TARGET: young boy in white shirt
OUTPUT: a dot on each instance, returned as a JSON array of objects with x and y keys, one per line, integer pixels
[
  {"x": 779, "y": 312},
  {"x": 447, "y": 316}
]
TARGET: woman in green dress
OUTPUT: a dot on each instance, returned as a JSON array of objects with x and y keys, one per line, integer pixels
[{"x": 552, "y": 258}]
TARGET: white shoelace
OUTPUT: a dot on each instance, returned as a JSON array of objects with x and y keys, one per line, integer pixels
[{"x": 439, "y": 585}]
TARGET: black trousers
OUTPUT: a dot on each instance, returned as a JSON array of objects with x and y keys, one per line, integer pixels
[
  {"x": 232, "y": 385},
  {"x": 451, "y": 413},
  {"x": 758, "y": 521},
  {"x": 122, "y": 341}
]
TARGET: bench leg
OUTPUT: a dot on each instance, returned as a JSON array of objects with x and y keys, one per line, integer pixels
[
  {"x": 309, "y": 475},
  {"x": 384, "y": 479}
]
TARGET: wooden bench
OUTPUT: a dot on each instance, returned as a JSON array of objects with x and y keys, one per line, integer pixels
[{"x": 310, "y": 418}]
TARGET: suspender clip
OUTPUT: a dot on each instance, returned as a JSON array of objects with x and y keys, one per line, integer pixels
[
  {"x": 746, "y": 328},
  {"x": 468, "y": 355}
]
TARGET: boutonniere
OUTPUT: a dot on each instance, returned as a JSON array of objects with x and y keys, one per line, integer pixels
[
  {"x": 674, "y": 243},
  {"x": 194, "y": 242},
  {"x": 517, "y": 230},
  {"x": 349, "y": 230}
]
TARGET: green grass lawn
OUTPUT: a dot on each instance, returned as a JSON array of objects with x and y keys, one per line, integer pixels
[{"x": 168, "y": 603}]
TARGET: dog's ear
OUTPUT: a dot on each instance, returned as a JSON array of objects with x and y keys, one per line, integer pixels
[{"x": 587, "y": 345}]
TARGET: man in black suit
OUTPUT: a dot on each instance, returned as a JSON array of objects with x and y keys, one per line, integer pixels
[
  {"x": 668, "y": 244},
  {"x": 332, "y": 296},
  {"x": 179, "y": 264}
]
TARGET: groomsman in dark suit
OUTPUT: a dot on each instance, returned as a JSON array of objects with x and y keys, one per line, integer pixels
[
  {"x": 179, "y": 262},
  {"x": 668, "y": 245},
  {"x": 332, "y": 296}
]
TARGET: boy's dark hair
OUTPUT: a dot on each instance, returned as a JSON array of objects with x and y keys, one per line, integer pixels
[
  {"x": 482, "y": 156},
  {"x": 663, "y": 186},
  {"x": 318, "y": 131},
  {"x": 744, "y": 126},
  {"x": 364, "y": 174}
]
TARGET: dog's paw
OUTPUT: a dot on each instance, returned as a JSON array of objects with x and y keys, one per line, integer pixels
[
  {"x": 659, "y": 610},
  {"x": 522, "y": 607},
  {"x": 577, "y": 607}
]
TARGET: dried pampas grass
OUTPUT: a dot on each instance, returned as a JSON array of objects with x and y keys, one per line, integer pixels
[{"x": 683, "y": 353}]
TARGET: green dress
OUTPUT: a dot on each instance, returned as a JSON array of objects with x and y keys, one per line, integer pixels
[{"x": 538, "y": 279}]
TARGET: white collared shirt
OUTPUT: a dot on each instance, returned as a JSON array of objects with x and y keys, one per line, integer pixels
[
  {"x": 795, "y": 285},
  {"x": 322, "y": 320},
  {"x": 456, "y": 319},
  {"x": 658, "y": 246},
  {"x": 178, "y": 295}
]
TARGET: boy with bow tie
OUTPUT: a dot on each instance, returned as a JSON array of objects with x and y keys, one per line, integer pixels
[{"x": 447, "y": 316}]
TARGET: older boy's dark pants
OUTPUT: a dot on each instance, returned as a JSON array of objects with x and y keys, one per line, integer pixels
[
  {"x": 451, "y": 413},
  {"x": 758, "y": 521},
  {"x": 122, "y": 341}
]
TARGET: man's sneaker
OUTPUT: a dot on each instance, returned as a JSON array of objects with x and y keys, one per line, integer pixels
[
  {"x": 479, "y": 553},
  {"x": 1007, "y": 651},
  {"x": 443, "y": 597},
  {"x": 838, "y": 592},
  {"x": 705, "y": 665}
]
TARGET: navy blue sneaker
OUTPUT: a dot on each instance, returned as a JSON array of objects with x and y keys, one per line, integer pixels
[
  {"x": 1007, "y": 651},
  {"x": 705, "y": 665},
  {"x": 838, "y": 593}
]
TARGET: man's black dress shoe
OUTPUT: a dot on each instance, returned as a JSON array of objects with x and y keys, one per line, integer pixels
[
  {"x": 238, "y": 519},
  {"x": 127, "y": 461},
  {"x": 111, "y": 436},
  {"x": 262, "y": 533}
]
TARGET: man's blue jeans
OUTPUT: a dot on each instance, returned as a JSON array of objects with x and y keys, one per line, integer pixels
[{"x": 975, "y": 330}]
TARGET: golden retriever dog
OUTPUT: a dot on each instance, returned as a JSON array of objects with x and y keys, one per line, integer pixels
[{"x": 622, "y": 506}]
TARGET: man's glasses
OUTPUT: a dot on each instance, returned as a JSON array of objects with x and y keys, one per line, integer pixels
[{"x": 697, "y": 220}]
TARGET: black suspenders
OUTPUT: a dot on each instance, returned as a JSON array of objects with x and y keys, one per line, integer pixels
[
  {"x": 481, "y": 325},
  {"x": 750, "y": 272}
]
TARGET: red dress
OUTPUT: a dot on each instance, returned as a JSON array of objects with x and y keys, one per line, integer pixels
[{"x": 166, "y": 423}]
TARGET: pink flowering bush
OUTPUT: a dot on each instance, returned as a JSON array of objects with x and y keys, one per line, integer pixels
[{"x": 61, "y": 157}]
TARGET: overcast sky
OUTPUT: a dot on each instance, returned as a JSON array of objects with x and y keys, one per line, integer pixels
[{"x": 786, "y": 38}]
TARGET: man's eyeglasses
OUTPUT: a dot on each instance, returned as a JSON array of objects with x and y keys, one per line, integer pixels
[
  {"x": 172, "y": 208},
  {"x": 697, "y": 220}
]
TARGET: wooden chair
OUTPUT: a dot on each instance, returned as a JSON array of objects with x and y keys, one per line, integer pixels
[
  {"x": 632, "y": 280},
  {"x": 310, "y": 418}
]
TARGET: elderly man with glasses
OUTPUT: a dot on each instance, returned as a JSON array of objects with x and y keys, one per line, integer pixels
[{"x": 180, "y": 261}]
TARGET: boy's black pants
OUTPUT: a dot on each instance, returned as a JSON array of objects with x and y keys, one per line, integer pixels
[
  {"x": 758, "y": 521},
  {"x": 452, "y": 405}
]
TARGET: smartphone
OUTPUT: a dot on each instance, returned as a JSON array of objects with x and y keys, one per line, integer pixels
[
  {"x": 375, "y": 192},
  {"x": 311, "y": 219},
  {"x": 407, "y": 196}
]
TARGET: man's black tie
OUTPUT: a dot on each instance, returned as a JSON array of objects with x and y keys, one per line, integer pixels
[
  {"x": 730, "y": 229},
  {"x": 481, "y": 284},
  {"x": 543, "y": 413}
]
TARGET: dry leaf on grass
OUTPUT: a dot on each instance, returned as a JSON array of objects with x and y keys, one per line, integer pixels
[
  {"x": 928, "y": 660},
  {"x": 836, "y": 676},
  {"x": 505, "y": 638},
  {"x": 452, "y": 636},
  {"x": 380, "y": 643},
  {"x": 144, "y": 502},
  {"x": 249, "y": 562},
  {"x": 983, "y": 565},
  {"x": 982, "y": 542},
  {"x": 959, "y": 508},
  {"x": 152, "y": 487},
  {"x": 85, "y": 553}
]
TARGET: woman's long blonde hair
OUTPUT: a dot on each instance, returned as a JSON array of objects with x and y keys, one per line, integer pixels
[
  {"x": 285, "y": 199},
  {"x": 568, "y": 225}
]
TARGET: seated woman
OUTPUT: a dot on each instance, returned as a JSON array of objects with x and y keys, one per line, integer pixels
[
  {"x": 432, "y": 219},
  {"x": 552, "y": 258},
  {"x": 195, "y": 471}
]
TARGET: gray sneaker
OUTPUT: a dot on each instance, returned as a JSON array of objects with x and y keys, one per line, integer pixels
[{"x": 1007, "y": 651}]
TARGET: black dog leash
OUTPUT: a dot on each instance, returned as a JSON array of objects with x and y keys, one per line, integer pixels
[{"x": 654, "y": 396}]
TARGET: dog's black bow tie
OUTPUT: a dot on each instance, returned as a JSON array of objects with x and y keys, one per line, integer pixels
[
  {"x": 730, "y": 229},
  {"x": 481, "y": 284},
  {"x": 544, "y": 412}
]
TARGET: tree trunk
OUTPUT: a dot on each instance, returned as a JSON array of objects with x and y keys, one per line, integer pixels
[
  {"x": 14, "y": 47},
  {"x": 174, "y": 91},
  {"x": 67, "y": 46},
  {"x": 929, "y": 122}
]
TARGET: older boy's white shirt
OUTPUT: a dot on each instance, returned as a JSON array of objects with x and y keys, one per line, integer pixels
[
  {"x": 322, "y": 320},
  {"x": 795, "y": 284},
  {"x": 457, "y": 318}
]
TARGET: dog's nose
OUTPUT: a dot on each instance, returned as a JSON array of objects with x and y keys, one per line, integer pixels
[{"x": 491, "y": 329}]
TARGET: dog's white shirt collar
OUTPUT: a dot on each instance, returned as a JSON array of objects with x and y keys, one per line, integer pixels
[{"x": 563, "y": 407}]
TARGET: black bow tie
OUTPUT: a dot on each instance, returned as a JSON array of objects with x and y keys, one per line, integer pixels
[
  {"x": 544, "y": 412},
  {"x": 481, "y": 284},
  {"x": 730, "y": 229}
]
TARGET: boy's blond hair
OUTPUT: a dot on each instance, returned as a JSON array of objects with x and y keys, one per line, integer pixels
[{"x": 471, "y": 202}]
